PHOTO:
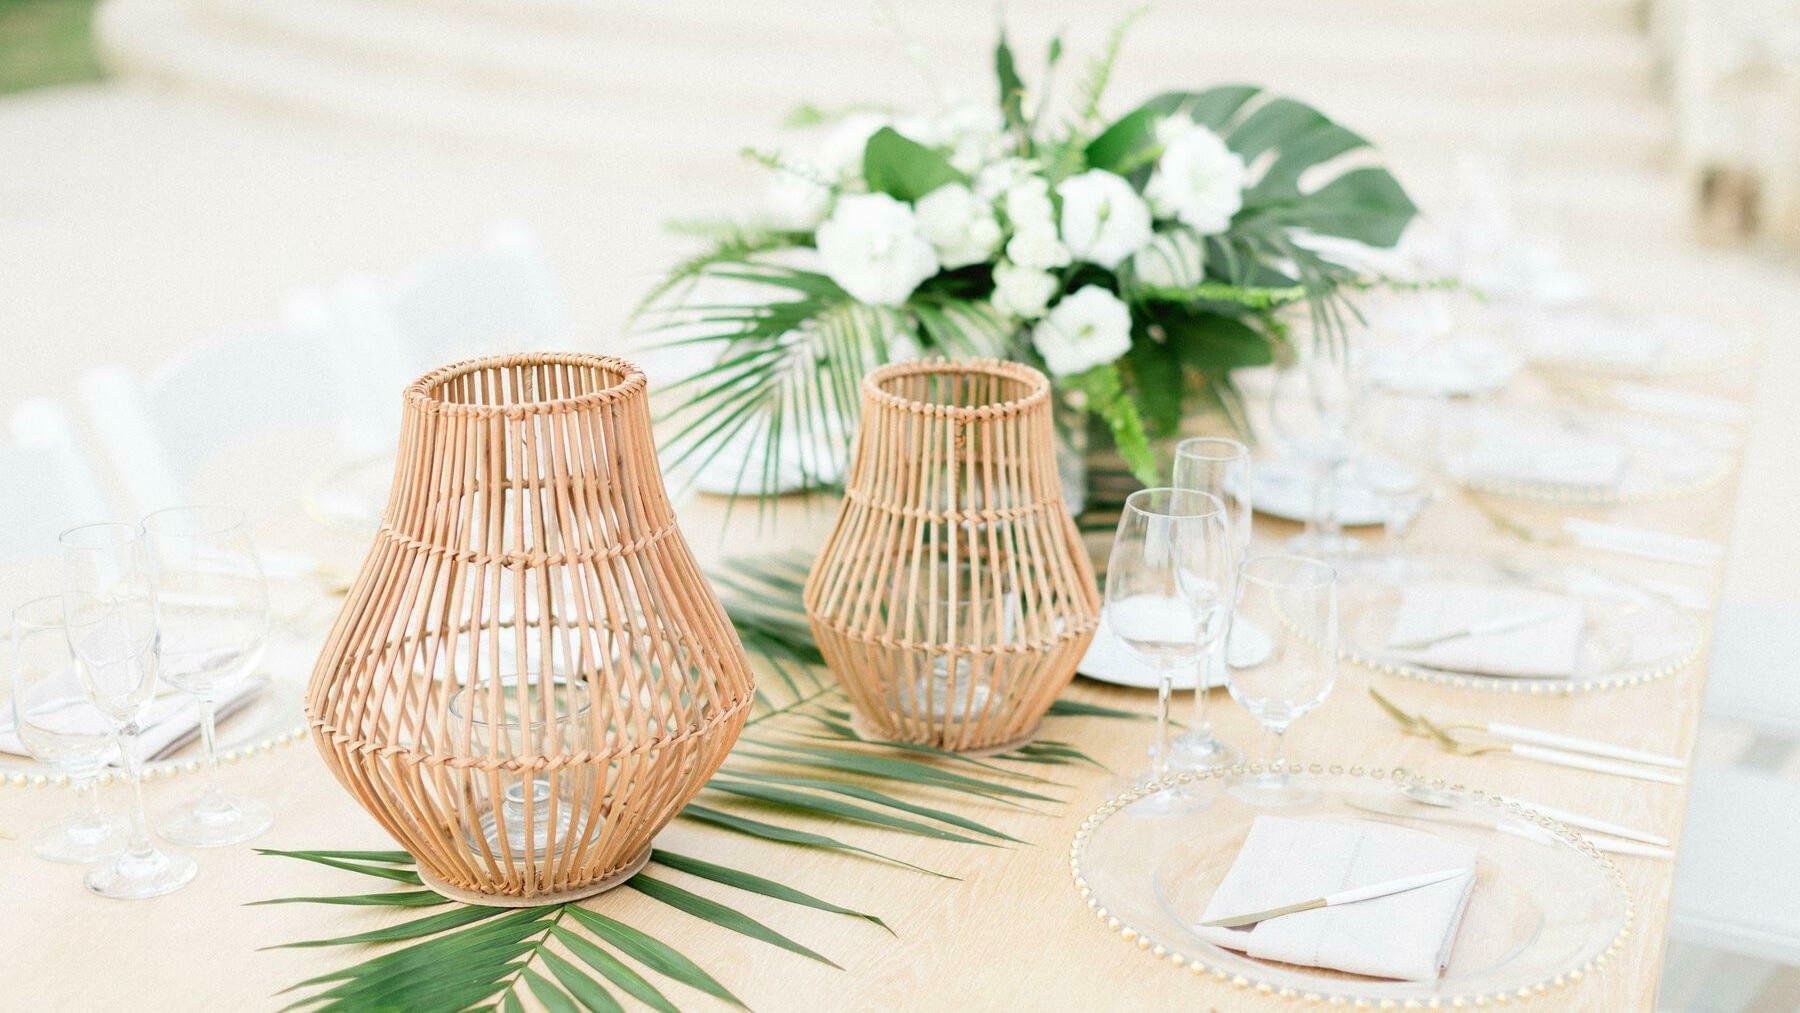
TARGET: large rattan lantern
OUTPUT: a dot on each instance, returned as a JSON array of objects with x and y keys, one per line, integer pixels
[
  {"x": 953, "y": 598},
  {"x": 530, "y": 676}
]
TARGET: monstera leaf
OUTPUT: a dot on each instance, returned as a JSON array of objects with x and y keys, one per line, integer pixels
[{"x": 1363, "y": 204}]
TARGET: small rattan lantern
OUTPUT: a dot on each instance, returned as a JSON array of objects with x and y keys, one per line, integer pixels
[
  {"x": 953, "y": 598},
  {"x": 530, "y": 676}
]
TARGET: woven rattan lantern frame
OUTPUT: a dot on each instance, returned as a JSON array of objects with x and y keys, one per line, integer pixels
[
  {"x": 530, "y": 676},
  {"x": 953, "y": 598}
]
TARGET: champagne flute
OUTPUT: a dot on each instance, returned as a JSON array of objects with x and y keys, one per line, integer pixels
[
  {"x": 57, "y": 724},
  {"x": 1295, "y": 598},
  {"x": 213, "y": 606},
  {"x": 1325, "y": 424},
  {"x": 1219, "y": 467},
  {"x": 109, "y": 611},
  {"x": 1168, "y": 585}
]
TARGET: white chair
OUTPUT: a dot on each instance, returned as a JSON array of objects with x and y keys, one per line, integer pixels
[
  {"x": 159, "y": 433},
  {"x": 1737, "y": 887},
  {"x": 49, "y": 485},
  {"x": 497, "y": 298}
]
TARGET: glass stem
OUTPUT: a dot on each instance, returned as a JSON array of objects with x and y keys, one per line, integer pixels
[
  {"x": 1278, "y": 748},
  {"x": 1326, "y": 529},
  {"x": 1165, "y": 684},
  {"x": 212, "y": 796},
  {"x": 1211, "y": 668},
  {"x": 138, "y": 843},
  {"x": 87, "y": 802}
]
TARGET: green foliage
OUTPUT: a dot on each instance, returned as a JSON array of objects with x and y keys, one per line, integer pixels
[
  {"x": 1011, "y": 88},
  {"x": 1104, "y": 393},
  {"x": 897, "y": 165},
  {"x": 796, "y": 764}
]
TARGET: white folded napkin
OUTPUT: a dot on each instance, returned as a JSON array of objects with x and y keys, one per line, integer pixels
[
  {"x": 1456, "y": 367},
  {"x": 1547, "y": 648},
  {"x": 1510, "y": 451},
  {"x": 1286, "y": 861},
  {"x": 170, "y": 722}
]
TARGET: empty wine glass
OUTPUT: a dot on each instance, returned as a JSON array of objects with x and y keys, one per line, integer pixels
[
  {"x": 1295, "y": 599},
  {"x": 1218, "y": 467},
  {"x": 109, "y": 611},
  {"x": 1168, "y": 588},
  {"x": 213, "y": 609},
  {"x": 1321, "y": 420},
  {"x": 57, "y": 724}
]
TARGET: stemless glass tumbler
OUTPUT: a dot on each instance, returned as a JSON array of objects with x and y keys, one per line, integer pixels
[
  {"x": 1294, "y": 598},
  {"x": 213, "y": 616},
  {"x": 57, "y": 724},
  {"x": 109, "y": 608}
]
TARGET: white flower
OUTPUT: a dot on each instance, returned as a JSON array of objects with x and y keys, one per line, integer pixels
[
  {"x": 872, "y": 248},
  {"x": 797, "y": 200},
  {"x": 1022, "y": 292},
  {"x": 1037, "y": 246},
  {"x": 1027, "y": 204},
  {"x": 1199, "y": 181},
  {"x": 996, "y": 178},
  {"x": 1174, "y": 259},
  {"x": 1103, "y": 219},
  {"x": 962, "y": 228},
  {"x": 1171, "y": 128},
  {"x": 1089, "y": 328}
]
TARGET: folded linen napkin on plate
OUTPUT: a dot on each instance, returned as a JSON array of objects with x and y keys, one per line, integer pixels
[
  {"x": 1546, "y": 647},
  {"x": 171, "y": 722},
  {"x": 1286, "y": 860},
  {"x": 1520, "y": 453}
]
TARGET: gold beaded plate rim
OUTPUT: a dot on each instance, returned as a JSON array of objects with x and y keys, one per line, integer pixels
[
  {"x": 1623, "y": 679},
  {"x": 1202, "y": 968}
]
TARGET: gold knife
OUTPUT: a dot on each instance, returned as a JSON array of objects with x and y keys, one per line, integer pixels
[{"x": 1386, "y": 888}]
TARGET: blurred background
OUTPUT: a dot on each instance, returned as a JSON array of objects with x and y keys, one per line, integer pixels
[{"x": 180, "y": 169}]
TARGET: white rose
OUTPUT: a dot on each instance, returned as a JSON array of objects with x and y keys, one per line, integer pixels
[
  {"x": 1199, "y": 181},
  {"x": 1174, "y": 259},
  {"x": 1037, "y": 246},
  {"x": 1171, "y": 128},
  {"x": 1089, "y": 328},
  {"x": 797, "y": 200},
  {"x": 1022, "y": 292},
  {"x": 1103, "y": 219},
  {"x": 962, "y": 228},
  {"x": 872, "y": 248}
]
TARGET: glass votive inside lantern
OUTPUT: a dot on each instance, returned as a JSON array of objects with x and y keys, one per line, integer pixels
[
  {"x": 966, "y": 621},
  {"x": 527, "y": 720}
]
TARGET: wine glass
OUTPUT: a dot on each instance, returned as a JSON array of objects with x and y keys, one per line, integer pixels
[
  {"x": 1219, "y": 467},
  {"x": 1168, "y": 588},
  {"x": 1322, "y": 420},
  {"x": 1295, "y": 598},
  {"x": 57, "y": 724},
  {"x": 214, "y": 620},
  {"x": 109, "y": 612}
]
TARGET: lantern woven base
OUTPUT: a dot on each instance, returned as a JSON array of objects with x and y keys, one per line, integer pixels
[{"x": 466, "y": 896}]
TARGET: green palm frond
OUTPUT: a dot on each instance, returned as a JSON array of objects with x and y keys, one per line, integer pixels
[{"x": 800, "y": 771}]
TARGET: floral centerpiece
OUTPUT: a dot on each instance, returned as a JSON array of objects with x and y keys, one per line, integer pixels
[{"x": 1137, "y": 260}]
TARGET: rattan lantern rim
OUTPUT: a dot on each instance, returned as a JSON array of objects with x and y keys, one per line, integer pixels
[
  {"x": 425, "y": 393},
  {"x": 1037, "y": 387}
]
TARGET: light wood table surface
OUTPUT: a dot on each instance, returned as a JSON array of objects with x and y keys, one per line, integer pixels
[{"x": 1011, "y": 932}]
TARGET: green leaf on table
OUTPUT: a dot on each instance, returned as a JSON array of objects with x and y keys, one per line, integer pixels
[
  {"x": 586, "y": 990},
  {"x": 829, "y": 807},
  {"x": 754, "y": 884},
  {"x": 903, "y": 168},
  {"x": 614, "y": 969},
  {"x": 788, "y": 835},
  {"x": 1066, "y": 708},
  {"x": 548, "y": 994},
  {"x": 652, "y": 953},
  {"x": 326, "y": 859},
  {"x": 865, "y": 794},
  {"x": 718, "y": 914},
  {"x": 912, "y": 771},
  {"x": 427, "y": 926},
  {"x": 398, "y": 898}
]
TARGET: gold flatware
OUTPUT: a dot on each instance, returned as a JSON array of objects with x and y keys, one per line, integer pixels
[{"x": 1386, "y": 888}]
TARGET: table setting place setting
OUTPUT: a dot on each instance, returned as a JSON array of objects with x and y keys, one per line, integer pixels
[{"x": 1072, "y": 438}]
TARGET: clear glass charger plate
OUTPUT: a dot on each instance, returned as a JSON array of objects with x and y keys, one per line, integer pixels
[
  {"x": 1661, "y": 459},
  {"x": 271, "y": 717},
  {"x": 1631, "y": 635},
  {"x": 1546, "y": 909}
]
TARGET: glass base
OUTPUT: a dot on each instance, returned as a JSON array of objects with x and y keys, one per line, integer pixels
[
  {"x": 1270, "y": 790},
  {"x": 215, "y": 822},
  {"x": 1197, "y": 750},
  {"x": 530, "y": 839},
  {"x": 81, "y": 841},
  {"x": 137, "y": 875}
]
